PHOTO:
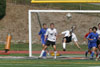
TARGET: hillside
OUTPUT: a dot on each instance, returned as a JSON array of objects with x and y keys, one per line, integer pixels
[{"x": 16, "y": 22}]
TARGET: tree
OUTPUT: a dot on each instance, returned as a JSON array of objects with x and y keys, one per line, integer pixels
[{"x": 2, "y": 8}]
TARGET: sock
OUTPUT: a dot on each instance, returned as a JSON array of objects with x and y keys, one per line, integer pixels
[
  {"x": 55, "y": 52},
  {"x": 64, "y": 45},
  {"x": 44, "y": 54},
  {"x": 41, "y": 53},
  {"x": 48, "y": 52},
  {"x": 92, "y": 54},
  {"x": 86, "y": 53},
  {"x": 97, "y": 54}
]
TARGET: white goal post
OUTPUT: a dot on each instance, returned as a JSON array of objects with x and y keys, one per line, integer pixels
[{"x": 53, "y": 11}]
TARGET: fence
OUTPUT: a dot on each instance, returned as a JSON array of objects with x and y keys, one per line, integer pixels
[
  {"x": 19, "y": 1},
  {"x": 63, "y": 6}
]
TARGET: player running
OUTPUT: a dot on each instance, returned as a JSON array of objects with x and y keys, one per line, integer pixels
[
  {"x": 98, "y": 41},
  {"x": 85, "y": 37},
  {"x": 69, "y": 36},
  {"x": 51, "y": 35},
  {"x": 93, "y": 37}
]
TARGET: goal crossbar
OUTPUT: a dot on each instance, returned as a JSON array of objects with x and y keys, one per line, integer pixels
[{"x": 63, "y": 11}]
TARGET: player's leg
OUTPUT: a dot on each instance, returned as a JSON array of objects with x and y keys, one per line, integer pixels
[
  {"x": 55, "y": 52},
  {"x": 89, "y": 50},
  {"x": 48, "y": 52},
  {"x": 98, "y": 47},
  {"x": 96, "y": 51},
  {"x": 43, "y": 45},
  {"x": 99, "y": 50},
  {"x": 93, "y": 52},
  {"x": 44, "y": 49},
  {"x": 64, "y": 44}
]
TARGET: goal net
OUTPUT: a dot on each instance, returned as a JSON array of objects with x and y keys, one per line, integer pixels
[{"x": 63, "y": 20}]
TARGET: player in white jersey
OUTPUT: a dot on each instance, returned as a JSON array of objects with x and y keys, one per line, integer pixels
[
  {"x": 69, "y": 36},
  {"x": 98, "y": 41},
  {"x": 51, "y": 35}
]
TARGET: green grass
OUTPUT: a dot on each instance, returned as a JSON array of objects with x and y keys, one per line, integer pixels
[
  {"x": 76, "y": 6},
  {"x": 38, "y": 47},
  {"x": 71, "y": 6},
  {"x": 47, "y": 63}
]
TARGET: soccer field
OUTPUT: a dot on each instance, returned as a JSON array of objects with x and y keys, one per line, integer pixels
[
  {"x": 48, "y": 63},
  {"x": 59, "y": 62}
]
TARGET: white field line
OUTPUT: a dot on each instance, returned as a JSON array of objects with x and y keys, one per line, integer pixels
[{"x": 33, "y": 65}]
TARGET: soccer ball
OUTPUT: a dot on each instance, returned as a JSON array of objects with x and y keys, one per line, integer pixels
[{"x": 68, "y": 15}]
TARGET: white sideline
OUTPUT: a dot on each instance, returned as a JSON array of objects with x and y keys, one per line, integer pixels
[{"x": 32, "y": 65}]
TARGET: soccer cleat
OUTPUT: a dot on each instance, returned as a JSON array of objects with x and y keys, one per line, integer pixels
[
  {"x": 39, "y": 57},
  {"x": 44, "y": 57},
  {"x": 97, "y": 58},
  {"x": 64, "y": 49}
]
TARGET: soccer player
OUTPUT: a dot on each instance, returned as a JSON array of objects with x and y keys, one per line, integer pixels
[
  {"x": 42, "y": 34},
  {"x": 42, "y": 37},
  {"x": 85, "y": 37},
  {"x": 69, "y": 36},
  {"x": 93, "y": 37},
  {"x": 98, "y": 41},
  {"x": 51, "y": 35}
]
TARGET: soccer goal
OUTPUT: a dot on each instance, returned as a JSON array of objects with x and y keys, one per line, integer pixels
[{"x": 63, "y": 20}]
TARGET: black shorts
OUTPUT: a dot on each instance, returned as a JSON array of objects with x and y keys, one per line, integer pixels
[
  {"x": 98, "y": 42},
  {"x": 68, "y": 39},
  {"x": 48, "y": 43}
]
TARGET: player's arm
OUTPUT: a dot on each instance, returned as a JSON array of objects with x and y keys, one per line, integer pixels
[
  {"x": 57, "y": 35},
  {"x": 63, "y": 33},
  {"x": 46, "y": 34},
  {"x": 39, "y": 35},
  {"x": 45, "y": 37},
  {"x": 88, "y": 37},
  {"x": 85, "y": 38},
  {"x": 97, "y": 36}
]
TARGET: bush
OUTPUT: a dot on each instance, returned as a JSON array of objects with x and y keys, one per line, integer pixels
[{"x": 2, "y": 8}]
